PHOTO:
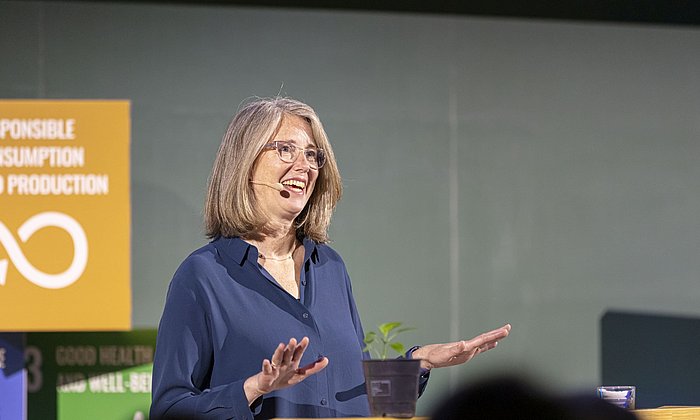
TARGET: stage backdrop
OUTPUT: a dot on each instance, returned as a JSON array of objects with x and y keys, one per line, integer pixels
[
  {"x": 537, "y": 172},
  {"x": 64, "y": 215}
]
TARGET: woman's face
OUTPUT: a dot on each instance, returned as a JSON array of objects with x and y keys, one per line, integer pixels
[{"x": 297, "y": 177}]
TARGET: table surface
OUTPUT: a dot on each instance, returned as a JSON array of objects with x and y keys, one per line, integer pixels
[{"x": 669, "y": 413}]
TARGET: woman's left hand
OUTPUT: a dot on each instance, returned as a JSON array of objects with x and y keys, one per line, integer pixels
[{"x": 458, "y": 352}]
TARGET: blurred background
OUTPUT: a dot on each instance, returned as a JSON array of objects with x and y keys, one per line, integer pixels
[{"x": 536, "y": 166}]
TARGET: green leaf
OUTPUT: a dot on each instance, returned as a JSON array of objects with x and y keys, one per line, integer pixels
[
  {"x": 398, "y": 347},
  {"x": 379, "y": 343},
  {"x": 404, "y": 329},
  {"x": 387, "y": 327},
  {"x": 397, "y": 332}
]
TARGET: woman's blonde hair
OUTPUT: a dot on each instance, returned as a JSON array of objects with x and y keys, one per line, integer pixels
[{"x": 230, "y": 208}]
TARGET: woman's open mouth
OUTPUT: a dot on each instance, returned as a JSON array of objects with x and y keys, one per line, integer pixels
[{"x": 294, "y": 185}]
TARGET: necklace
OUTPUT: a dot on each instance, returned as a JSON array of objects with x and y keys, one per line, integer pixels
[
  {"x": 262, "y": 257},
  {"x": 289, "y": 257}
]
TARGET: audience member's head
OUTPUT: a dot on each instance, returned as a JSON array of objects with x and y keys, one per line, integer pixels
[{"x": 513, "y": 398}]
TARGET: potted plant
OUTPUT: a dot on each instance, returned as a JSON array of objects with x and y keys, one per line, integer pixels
[{"x": 392, "y": 384}]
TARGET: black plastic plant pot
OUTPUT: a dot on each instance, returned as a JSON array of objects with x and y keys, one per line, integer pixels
[{"x": 392, "y": 386}]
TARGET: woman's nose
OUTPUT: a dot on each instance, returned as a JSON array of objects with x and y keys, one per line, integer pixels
[{"x": 301, "y": 162}]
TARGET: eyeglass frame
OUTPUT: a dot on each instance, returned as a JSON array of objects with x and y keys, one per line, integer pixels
[{"x": 296, "y": 149}]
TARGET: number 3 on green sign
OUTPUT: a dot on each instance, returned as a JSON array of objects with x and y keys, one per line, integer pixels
[{"x": 32, "y": 356}]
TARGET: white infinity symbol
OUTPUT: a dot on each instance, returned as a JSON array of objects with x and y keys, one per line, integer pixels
[{"x": 33, "y": 224}]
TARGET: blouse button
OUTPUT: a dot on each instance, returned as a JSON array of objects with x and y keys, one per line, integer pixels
[
  {"x": 303, "y": 282},
  {"x": 305, "y": 315},
  {"x": 324, "y": 401}
]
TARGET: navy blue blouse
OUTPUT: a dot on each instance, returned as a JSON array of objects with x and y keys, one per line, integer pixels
[{"x": 224, "y": 314}]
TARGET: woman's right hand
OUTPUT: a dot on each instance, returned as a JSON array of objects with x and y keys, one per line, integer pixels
[{"x": 282, "y": 370}]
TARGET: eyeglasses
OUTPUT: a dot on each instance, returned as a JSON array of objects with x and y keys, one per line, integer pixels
[{"x": 288, "y": 153}]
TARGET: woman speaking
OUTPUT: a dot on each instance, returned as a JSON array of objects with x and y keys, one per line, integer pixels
[{"x": 261, "y": 321}]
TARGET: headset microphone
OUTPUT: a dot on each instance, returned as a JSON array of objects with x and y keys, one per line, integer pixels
[{"x": 276, "y": 185}]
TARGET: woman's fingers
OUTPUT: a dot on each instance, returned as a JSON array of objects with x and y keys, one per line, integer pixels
[
  {"x": 289, "y": 355},
  {"x": 282, "y": 370},
  {"x": 278, "y": 355},
  {"x": 458, "y": 352},
  {"x": 299, "y": 351},
  {"x": 313, "y": 367},
  {"x": 289, "y": 351},
  {"x": 490, "y": 337}
]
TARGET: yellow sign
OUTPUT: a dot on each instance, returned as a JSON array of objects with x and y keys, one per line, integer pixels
[{"x": 64, "y": 215}]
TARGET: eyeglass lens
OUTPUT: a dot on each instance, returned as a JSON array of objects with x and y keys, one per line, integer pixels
[{"x": 288, "y": 153}]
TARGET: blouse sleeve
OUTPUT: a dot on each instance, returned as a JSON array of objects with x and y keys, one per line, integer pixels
[
  {"x": 424, "y": 373},
  {"x": 183, "y": 361}
]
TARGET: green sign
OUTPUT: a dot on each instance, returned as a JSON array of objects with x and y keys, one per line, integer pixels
[
  {"x": 124, "y": 394},
  {"x": 89, "y": 375}
]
